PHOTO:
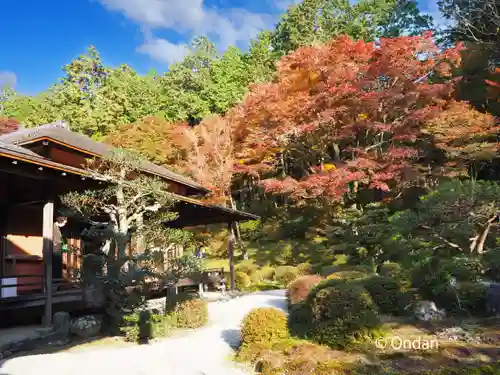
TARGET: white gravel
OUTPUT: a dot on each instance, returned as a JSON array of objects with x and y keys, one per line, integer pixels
[{"x": 205, "y": 351}]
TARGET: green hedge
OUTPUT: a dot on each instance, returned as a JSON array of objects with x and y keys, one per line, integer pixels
[
  {"x": 342, "y": 314},
  {"x": 388, "y": 294}
]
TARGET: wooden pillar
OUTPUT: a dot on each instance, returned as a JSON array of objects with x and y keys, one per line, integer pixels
[
  {"x": 230, "y": 254},
  {"x": 48, "y": 244},
  {"x": 4, "y": 213}
]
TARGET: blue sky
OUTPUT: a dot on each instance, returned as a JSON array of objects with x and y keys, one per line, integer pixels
[{"x": 39, "y": 37}]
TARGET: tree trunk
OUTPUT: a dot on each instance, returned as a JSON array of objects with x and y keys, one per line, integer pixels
[
  {"x": 238, "y": 232},
  {"x": 230, "y": 254},
  {"x": 141, "y": 241},
  {"x": 122, "y": 230},
  {"x": 484, "y": 235}
]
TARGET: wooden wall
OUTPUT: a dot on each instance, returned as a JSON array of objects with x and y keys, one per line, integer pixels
[
  {"x": 67, "y": 157},
  {"x": 22, "y": 244}
]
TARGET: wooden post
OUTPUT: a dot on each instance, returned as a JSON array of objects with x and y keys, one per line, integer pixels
[
  {"x": 48, "y": 244},
  {"x": 230, "y": 254}
]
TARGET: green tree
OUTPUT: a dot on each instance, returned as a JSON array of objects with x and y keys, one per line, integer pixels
[
  {"x": 321, "y": 20},
  {"x": 228, "y": 81},
  {"x": 261, "y": 58},
  {"x": 140, "y": 205},
  {"x": 457, "y": 218},
  {"x": 185, "y": 81},
  {"x": 475, "y": 21}
]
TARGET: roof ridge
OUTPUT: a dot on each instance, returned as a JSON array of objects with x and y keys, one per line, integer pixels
[{"x": 59, "y": 131}]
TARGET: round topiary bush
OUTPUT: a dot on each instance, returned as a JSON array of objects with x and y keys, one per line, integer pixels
[
  {"x": 387, "y": 294},
  {"x": 299, "y": 288},
  {"x": 300, "y": 320},
  {"x": 285, "y": 274},
  {"x": 243, "y": 281},
  {"x": 348, "y": 275},
  {"x": 390, "y": 269},
  {"x": 266, "y": 273},
  {"x": 328, "y": 270},
  {"x": 247, "y": 266},
  {"x": 191, "y": 314},
  {"x": 304, "y": 269},
  {"x": 264, "y": 326},
  {"x": 342, "y": 314}
]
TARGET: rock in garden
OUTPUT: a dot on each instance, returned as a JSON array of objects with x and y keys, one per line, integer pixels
[
  {"x": 493, "y": 299},
  {"x": 86, "y": 326},
  {"x": 459, "y": 334},
  {"x": 428, "y": 311},
  {"x": 61, "y": 324}
]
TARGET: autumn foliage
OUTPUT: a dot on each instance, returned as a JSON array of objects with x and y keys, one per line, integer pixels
[
  {"x": 209, "y": 156},
  {"x": 344, "y": 115},
  {"x": 155, "y": 138},
  {"x": 8, "y": 125}
]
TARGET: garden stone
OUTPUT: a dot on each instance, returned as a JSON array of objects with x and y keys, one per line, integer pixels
[
  {"x": 94, "y": 296},
  {"x": 86, "y": 326},
  {"x": 459, "y": 334},
  {"x": 61, "y": 324},
  {"x": 493, "y": 299},
  {"x": 428, "y": 311}
]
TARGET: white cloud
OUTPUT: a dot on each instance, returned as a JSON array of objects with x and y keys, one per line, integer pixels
[
  {"x": 8, "y": 78},
  {"x": 189, "y": 18},
  {"x": 284, "y": 4},
  {"x": 164, "y": 51},
  {"x": 431, "y": 8}
]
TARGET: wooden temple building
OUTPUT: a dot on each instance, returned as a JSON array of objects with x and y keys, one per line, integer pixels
[{"x": 37, "y": 165}]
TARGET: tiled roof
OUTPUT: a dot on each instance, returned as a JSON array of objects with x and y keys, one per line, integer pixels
[
  {"x": 59, "y": 132},
  {"x": 18, "y": 152}
]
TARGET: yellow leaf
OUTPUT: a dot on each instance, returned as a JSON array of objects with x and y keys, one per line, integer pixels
[
  {"x": 313, "y": 77},
  {"x": 328, "y": 167},
  {"x": 363, "y": 116}
]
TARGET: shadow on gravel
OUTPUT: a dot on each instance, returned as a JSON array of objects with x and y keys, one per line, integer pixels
[
  {"x": 278, "y": 303},
  {"x": 231, "y": 337}
]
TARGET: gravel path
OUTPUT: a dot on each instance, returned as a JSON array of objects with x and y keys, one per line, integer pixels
[{"x": 205, "y": 351}]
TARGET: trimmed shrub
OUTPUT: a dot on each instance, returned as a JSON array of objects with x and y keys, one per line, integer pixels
[
  {"x": 369, "y": 269},
  {"x": 285, "y": 274},
  {"x": 299, "y": 288},
  {"x": 266, "y": 273},
  {"x": 391, "y": 269},
  {"x": 342, "y": 314},
  {"x": 387, "y": 294},
  {"x": 191, "y": 314},
  {"x": 300, "y": 320},
  {"x": 304, "y": 269},
  {"x": 242, "y": 280},
  {"x": 348, "y": 275},
  {"x": 255, "y": 277},
  {"x": 464, "y": 299},
  {"x": 155, "y": 326},
  {"x": 164, "y": 326},
  {"x": 265, "y": 285},
  {"x": 247, "y": 266},
  {"x": 264, "y": 326},
  {"x": 328, "y": 270}
]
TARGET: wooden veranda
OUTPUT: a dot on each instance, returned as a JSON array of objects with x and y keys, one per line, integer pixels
[{"x": 36, "y": 167}]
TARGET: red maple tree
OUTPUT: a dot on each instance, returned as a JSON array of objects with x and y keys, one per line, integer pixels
[
  {"x": 344, "y": 115},
  {"x": 8, "y": 125}
]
